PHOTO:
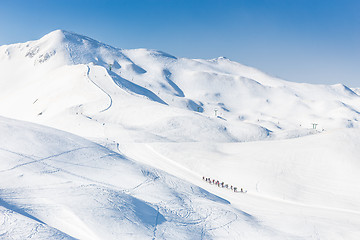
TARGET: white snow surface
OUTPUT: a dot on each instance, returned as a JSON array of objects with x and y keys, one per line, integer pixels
[
  {"x": 64, "y": 80},
  {"x": 61, "y": 186},
  {"x": 151, "y": 126}
]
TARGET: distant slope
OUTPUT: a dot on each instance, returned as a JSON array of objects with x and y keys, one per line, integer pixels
[{"x": 73, "y": 82}]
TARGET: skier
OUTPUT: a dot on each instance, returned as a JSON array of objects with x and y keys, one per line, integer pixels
[{"x": 235, "y": 189}]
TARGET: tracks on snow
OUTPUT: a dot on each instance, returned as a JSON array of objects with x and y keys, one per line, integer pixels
[{"x": 111, "y": 101}]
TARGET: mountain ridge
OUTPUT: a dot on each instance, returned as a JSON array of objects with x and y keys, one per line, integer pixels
[
  {"x": 149, "y": 127},
  {"x": 239, "y": 102}
]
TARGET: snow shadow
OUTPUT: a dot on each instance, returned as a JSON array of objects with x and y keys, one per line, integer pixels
[
  {"x": 179, "y": 92},
  {"x": 212, "y": 197},
  {"x": 248, "y": 217},
  {"x": 161, "y": 54},
  {"x": 132, "y": 87},
  {"x": 138, "y": 69},
  {"x": 18, "y": 210},
  {"x": 116, "y": 65},
  {"x": 135, "y": 209},
  {"x": 191, "y": 105},
  {"x": 146, "y": 213}
]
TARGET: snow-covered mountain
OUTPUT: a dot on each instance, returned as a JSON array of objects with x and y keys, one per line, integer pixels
[
  {"x": 160, "y": 123},
  {"x": 64, "y": 78}
]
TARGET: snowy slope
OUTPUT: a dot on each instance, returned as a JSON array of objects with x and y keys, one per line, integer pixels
[
  {"x": 64, "y": 80},
  {"x": 186, "y": 117},
  {"x": 307, "y": 187},
  {"x": 60, "y": 186}
]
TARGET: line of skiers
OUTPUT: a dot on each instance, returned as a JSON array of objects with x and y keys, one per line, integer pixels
[{"x": 222, "y": 184}]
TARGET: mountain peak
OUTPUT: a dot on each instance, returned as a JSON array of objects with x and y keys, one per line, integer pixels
[
  {"x": 61, "y": 36},
  {"x": 54, "y": 36},
  {"x": 221, "y": 58},
  {"x": 78, "y": 49}
]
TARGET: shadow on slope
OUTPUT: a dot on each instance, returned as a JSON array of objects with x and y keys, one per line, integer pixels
[
  {"x": 179, "y": 92},
  {"x": 18, "y": 210},
  {"x": 132, "y": 87}
]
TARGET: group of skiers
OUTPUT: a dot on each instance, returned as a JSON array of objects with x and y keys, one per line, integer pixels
[{"x": 222, "y": 184}]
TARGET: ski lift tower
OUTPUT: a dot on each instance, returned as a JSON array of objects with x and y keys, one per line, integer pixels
[
  {"x": 215, "y": 110},
  {"x": 314, "y": 125}
]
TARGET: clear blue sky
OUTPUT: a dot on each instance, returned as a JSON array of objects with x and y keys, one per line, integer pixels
[{"x": 315, "y": 41}]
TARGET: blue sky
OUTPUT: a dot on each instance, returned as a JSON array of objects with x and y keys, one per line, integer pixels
[{"x": 314, "y": 41}]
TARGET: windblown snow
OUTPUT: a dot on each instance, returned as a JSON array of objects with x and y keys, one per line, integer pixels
[{"x": 113, "y": 144}]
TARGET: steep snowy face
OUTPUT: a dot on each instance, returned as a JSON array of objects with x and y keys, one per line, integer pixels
[{"x": 66, "y": 78}]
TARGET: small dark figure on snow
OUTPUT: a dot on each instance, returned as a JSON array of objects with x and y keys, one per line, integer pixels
[{"x": 235, "y": 189}]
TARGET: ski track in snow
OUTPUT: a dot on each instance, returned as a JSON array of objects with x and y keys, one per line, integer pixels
[
  {"x": 110, "y": 98},
  {"x": 302, "y": 204},
  {"x": 183, "y": 171},
  {"x": 38, "y": 160},
  {"x": 61, "y": 169},
  {"x": 187, "y": 214}
]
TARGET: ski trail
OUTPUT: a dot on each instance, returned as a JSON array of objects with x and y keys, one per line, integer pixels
[
  {"x": 303, "y": 204},
  {"x": 156, "y": 159},
  {"x": 19, "y": 210},
  {"x": 42, "y": 159},
  {"x": 172, "y": 162},
  {"x": 111, "y": 101}
]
